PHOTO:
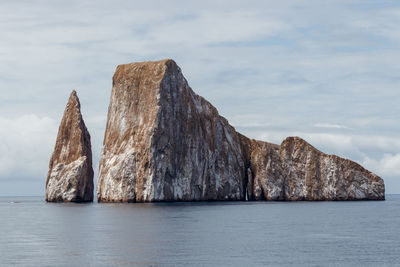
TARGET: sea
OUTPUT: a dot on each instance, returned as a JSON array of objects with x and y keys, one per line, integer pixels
[{"x": 328, "y": 233}]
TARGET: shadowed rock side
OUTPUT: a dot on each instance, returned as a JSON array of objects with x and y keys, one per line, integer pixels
[
  {"x": 265, "y": 173},
  {"x": 70, "y": 176},
  {"x": 165, "y": 143}
]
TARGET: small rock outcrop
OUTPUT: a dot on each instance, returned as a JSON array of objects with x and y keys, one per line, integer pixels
[
  {"x": 163, "y": 142},
  {"x": 70, "y": 176}
]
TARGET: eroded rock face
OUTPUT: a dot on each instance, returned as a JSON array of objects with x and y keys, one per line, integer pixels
[
  {"x": 266, "y": 174},
  {"x": 165, "y": 143},
  {"x": 313, "y": 175},
  {"x": 70, "y": 176}
]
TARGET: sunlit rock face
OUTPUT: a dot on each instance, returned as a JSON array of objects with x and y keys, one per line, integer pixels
[
  {"x": 165, "y": 143},
  {"x": 70, "y": 176}
]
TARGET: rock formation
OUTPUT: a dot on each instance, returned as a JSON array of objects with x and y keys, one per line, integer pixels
[
  {"x": 70, "y": 176},
  {"x": 313, "y": 175},
  {"x": 266, "y": 174},
  {"x": 165, "y": 143},
  {"x": 295, "y": 170}
]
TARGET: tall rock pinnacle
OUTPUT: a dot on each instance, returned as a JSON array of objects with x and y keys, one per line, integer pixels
[
  {"x": 70, "y": 176},
  {"x": 163, "y": 142}
]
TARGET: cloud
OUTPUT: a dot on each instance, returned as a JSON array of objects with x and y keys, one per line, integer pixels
[
  {"x": 215, "y": 27},
  {"x": 388, "y": 165},
  {"x": 329, "y": 125},
  {"x": 27, "y": 142},
  {"x": 25, "y": 147}
]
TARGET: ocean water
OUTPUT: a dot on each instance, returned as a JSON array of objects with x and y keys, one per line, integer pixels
[{"x": 360, "y": 233}]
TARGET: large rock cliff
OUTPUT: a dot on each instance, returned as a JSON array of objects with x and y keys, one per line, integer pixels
[
  {"x": 165, "y": 143},
  {"x": 70, "y": 176}
]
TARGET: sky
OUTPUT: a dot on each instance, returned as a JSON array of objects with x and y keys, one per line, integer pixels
[{"x": 327, "y": 71}]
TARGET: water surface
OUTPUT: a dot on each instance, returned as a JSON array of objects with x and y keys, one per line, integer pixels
[{"x": 359, "y": 233}]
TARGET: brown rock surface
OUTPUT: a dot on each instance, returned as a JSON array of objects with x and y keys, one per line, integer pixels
[
  {"x": 70, "y": 176},
  {"x": 266, "y": 174},
  {"x": 165, "y": 143},
  {"x": 313, "y": 175}
]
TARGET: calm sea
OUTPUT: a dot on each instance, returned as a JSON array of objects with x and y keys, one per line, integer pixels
[{"x": 361, "y": 233}]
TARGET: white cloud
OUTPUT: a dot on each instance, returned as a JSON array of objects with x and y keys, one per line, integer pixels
[
  {"x": 25, "y": 148},
  {"x": 329, "y": 125},
  {"x": 27, "y": 142},
  {"x": 210, "y": 27},
  {"x": 388, "y": 165}
]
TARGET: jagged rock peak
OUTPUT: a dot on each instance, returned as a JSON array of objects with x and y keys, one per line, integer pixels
[
  {"x": 70, "y": 176},
  {"x": 163, "y": 142}
]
